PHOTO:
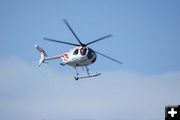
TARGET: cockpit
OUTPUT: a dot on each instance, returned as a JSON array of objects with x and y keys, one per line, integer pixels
[
  {"x": 85, "y": 51},
  {"x": 82, "y": 51}
]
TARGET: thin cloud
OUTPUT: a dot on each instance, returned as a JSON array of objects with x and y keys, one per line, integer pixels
[{"x": 31, "y": 92}]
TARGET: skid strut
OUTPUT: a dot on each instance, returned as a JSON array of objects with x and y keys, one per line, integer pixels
[
  {"x": 87, "y": 70},
  {"x": 76, "y": 74}
]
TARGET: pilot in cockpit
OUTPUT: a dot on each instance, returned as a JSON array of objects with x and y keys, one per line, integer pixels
[{"x": 83, "y": 51}]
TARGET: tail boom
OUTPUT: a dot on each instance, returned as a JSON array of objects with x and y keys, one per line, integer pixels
[{"x": 44, "y": 57}]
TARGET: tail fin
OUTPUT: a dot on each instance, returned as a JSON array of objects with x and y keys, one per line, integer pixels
[{"x": 43, "y": 55}]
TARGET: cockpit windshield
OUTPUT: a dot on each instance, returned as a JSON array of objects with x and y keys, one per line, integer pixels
[{"x": 90, "y": 53}]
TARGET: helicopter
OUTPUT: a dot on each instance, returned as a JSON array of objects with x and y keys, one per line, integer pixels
[{"x": 79, "y": 56}]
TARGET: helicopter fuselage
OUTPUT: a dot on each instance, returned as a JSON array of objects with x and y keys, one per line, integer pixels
[{"x": 79, "y": 56}]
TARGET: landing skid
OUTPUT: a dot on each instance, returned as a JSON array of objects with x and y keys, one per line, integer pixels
[{"x": 88, "y": 76}]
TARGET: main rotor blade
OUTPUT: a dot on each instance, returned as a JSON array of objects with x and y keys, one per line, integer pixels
[
  {"x": 117, "y": 61},
  {"x": 67, "y": 24},
  {"x": 53, "y": 40},
  {"x": 104, "y": 37}
]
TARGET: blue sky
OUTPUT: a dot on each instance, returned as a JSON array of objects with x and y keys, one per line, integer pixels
[{"x": 146, "y": 38}]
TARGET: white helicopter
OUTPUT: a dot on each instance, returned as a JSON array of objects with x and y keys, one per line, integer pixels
[{"x": 79, "y": 56}]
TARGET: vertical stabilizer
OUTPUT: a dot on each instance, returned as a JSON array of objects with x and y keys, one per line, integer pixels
[{"x": 43, "y": 55}]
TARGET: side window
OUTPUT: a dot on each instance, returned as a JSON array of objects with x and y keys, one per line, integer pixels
[{"x": 75, "y": 52}]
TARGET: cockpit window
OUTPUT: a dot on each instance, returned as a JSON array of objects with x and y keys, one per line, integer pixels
[
  {"x": 75, "y": 52},
  {"x": 83, "y": 51}
]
